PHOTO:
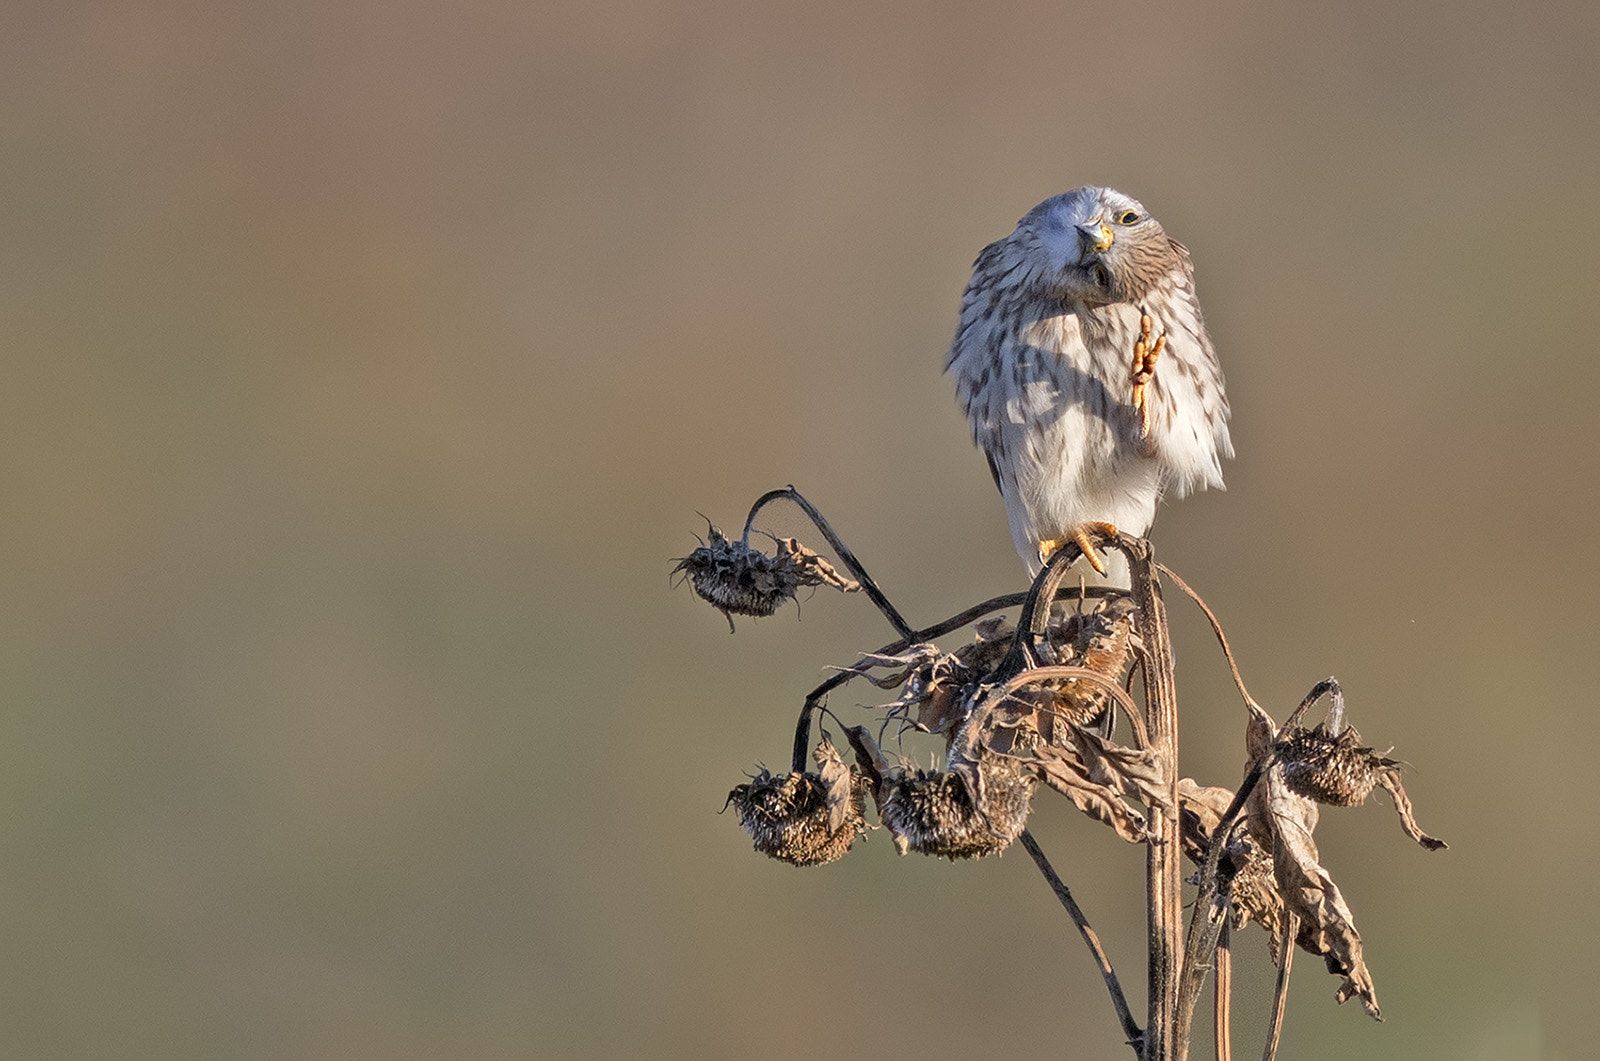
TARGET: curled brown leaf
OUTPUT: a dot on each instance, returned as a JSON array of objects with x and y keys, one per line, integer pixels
[
  {"x": 1390, "y": 779},
  {"x": 1282, "y": 822},
  {"x": 1062, "y": 770}
]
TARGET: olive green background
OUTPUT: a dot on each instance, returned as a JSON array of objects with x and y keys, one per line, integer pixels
[{"x": 366, "y": 365}]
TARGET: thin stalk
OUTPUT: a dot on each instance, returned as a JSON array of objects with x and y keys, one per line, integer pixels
[
  {"x": 1216, "y": 628},
  {"x": 1280, "y": 991},
  {"x": 1118, "y": 1001},
  {"x": 840, "y": 549},
  {"x": 1223, "y": 1014}
]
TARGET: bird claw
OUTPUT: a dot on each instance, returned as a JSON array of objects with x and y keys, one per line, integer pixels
[
  {"x": 1082, "y": 535},
  {"x": 1145, "y": 354}
]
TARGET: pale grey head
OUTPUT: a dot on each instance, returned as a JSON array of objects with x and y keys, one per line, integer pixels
[{"x": 1095, "y": 246}]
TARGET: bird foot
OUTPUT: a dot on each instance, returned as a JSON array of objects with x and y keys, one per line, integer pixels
[
  {"x": 1145, "y": 354},
  {"x": 1081, "y": 534}
]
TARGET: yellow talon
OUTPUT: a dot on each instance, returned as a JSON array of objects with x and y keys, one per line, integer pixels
[
  {"x": 1145, "y": 354},
  {"x": 1048, "y": 547},
  {"x": 1080, "y": 535}
]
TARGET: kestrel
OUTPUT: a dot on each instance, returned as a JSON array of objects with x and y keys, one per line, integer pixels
[{"x": 1084, "y": 366}]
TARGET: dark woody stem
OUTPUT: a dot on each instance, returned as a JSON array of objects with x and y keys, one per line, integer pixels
[
  {"x": 840, "y": 549},
  {"x": 1035, "y": 618},
  {"x": 1210, "y": 915},
  {"x": 1280, "y": 989},
  {"x": 1166, "y": 1035},
  {"x": 1326, "y": 687},
  {"x": 1130, "y": 1027}
]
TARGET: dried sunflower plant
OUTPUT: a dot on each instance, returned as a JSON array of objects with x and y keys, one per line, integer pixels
[{"x": 1050, "y": 699}]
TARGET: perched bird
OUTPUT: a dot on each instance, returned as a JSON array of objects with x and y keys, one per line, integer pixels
[{"x": 1083, "y": 364}]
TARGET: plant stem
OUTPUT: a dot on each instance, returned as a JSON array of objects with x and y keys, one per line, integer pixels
[
  {"x": 1280, "y": 990},
  {"x": 1165, "y": 1039},
  {"x": 1209, "y": 919},
  {"x": 840, "y": 549},
  {"x": 1118, "y": 1001},
  {"x": 1223, "y": 1014}
]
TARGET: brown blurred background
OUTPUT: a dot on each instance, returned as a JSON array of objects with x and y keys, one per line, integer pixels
[{"x": 366, "y": 365}]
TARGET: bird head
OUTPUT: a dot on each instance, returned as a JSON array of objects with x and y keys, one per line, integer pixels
[{"x": 1098, "y": 246}]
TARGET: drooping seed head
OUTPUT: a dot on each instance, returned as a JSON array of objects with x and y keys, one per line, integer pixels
[
  {"x": 933, "y": 813},
  {"x": 1337, "y": 771},
  {"x": 737, "y": 579},
  {"x": 788, "y": 817}
]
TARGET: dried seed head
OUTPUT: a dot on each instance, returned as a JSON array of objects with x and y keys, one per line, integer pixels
[
  {"x": 739, "y": 580},
  {"x": 788, "y": 817},
  {"x": 933, "y": 813},
  {"x": 1063, "y": 707},
  {"x": 1334, "y": 770},
  {"x": 736, "y": 579},
  {"x": 1098, "y": 639},
  {"x": 937, "y": 684}
]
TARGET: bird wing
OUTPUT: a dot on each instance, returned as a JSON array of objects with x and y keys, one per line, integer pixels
[{"x": 994, "y": 470}]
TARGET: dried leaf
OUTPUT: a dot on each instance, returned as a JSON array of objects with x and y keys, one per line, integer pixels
[
  {"x": 1283, "y": 822},
  {"x": 1200, "y": 809},
  {"x": 1102, "y": 639},
  {"x": 1062, "y": 770},
  {"x": 1259, "y": 732},
  {"x": 838, "y": 784},
  {"x": 933, "y": 687},
  {"x": 811, "y": 569},
  {"x": 1253, "y": 890},
  {"x": 871, "y": 762},
  {"x": 937, "y": 683},
  {"x": 940, "y": 709},
  {"x": 1390, "y": 779},
  {"x": 1136, "y": 772},
  {"x": 1244, "y": 871}
]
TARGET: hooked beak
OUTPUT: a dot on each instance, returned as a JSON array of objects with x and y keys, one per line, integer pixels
[{"x": 1097, "y": 234}]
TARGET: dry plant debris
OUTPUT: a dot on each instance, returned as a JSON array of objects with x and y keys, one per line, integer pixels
[{"x": 1048, "y": 699}]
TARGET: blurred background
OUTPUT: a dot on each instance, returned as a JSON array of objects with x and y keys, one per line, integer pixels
[{"x": 367, "y": 365}]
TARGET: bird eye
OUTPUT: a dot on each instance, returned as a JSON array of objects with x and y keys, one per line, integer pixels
[
  {"x": 1102, "y": 278},
  {"x": 1128, "y": 217}
]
